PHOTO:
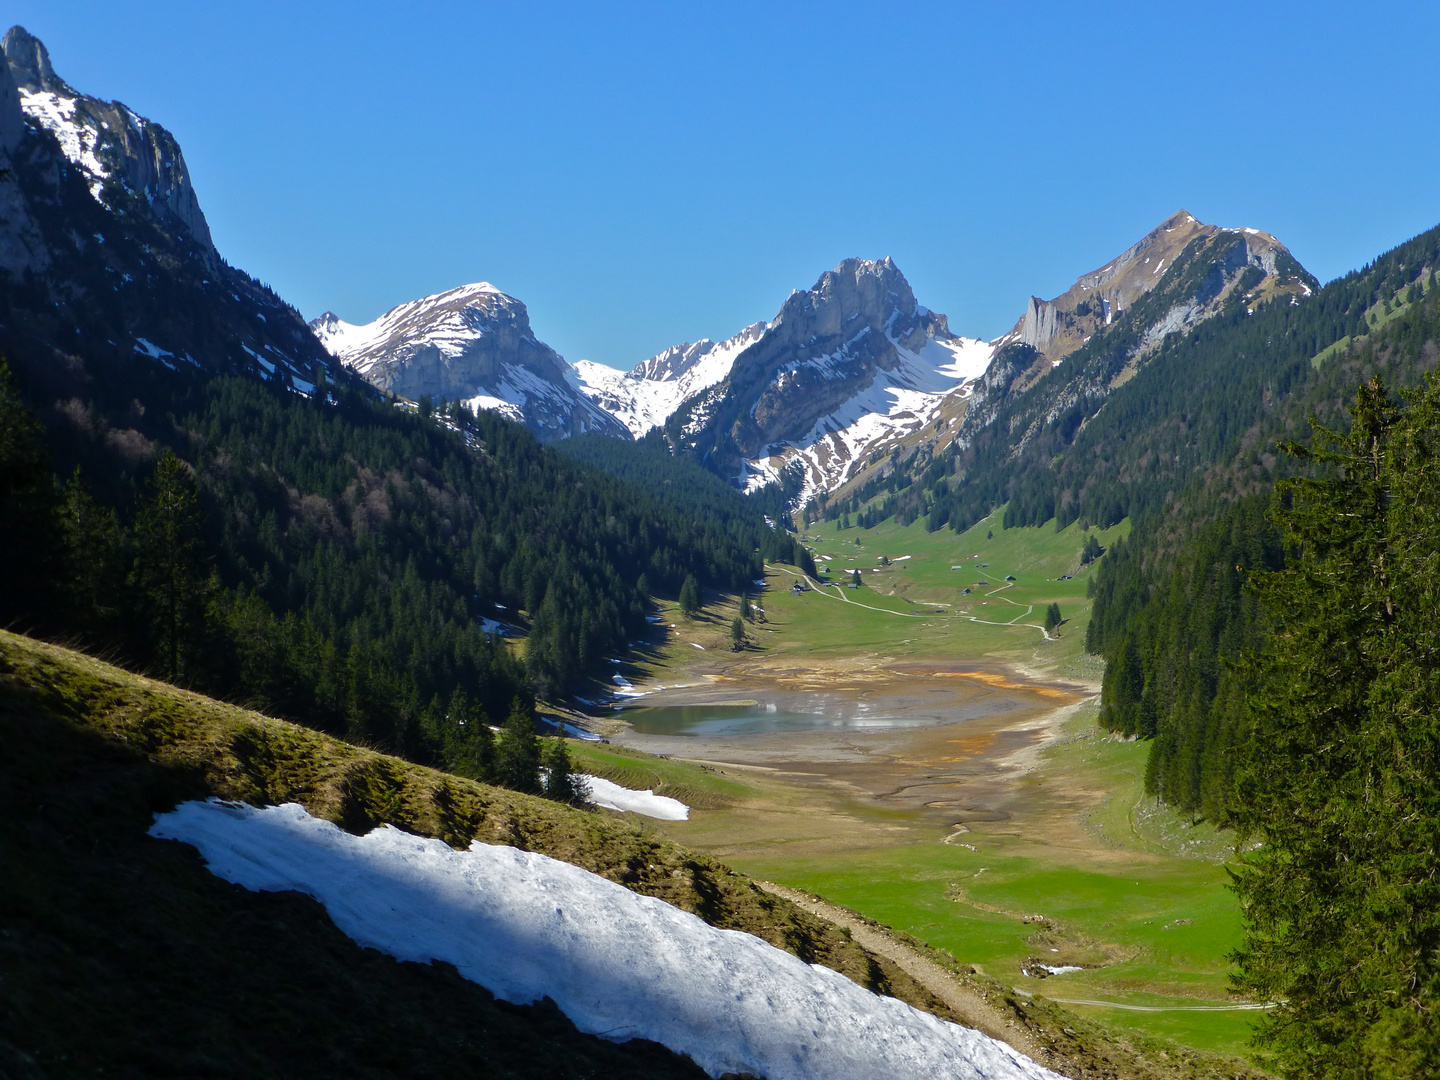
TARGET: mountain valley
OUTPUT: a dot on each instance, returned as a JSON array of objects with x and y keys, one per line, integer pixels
[{"x": 1090, "y": 667}]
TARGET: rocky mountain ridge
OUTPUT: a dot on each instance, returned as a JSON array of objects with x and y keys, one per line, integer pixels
[
  {"x": 1058, "y": 327},
  {"x": 1174, "y": 278},
  {"x": 644, "y": 397},
  {"x": 844, "y": 369},
  {"x": 105, "y": 255},
  {"x": 473, "y": 344}
]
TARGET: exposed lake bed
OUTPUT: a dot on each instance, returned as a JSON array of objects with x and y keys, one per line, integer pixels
[{"x": 938, "y": 743}]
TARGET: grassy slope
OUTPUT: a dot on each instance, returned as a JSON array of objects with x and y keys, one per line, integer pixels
[{"x": 176, "y": 972}]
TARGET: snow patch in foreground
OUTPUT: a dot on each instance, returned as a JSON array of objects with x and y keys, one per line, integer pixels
[
  {"x": 526, "y": 926},
  {"x": 612, "y": 796}
]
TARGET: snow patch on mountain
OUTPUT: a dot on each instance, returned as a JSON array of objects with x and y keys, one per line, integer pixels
[
  {"x": 56, "y": 114},
  {"x": 618, "y": 964},
  {"x": 644, "y": 397},
  {"x": 473, "y": 344},
  {"x": 892, "y": 407}
]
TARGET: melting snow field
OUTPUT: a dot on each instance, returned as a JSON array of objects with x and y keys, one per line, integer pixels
[
  {"x": 627, "y": 966},
  {"x": 614, "y": 797}
]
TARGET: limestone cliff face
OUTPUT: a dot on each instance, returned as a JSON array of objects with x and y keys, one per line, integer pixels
[
  {"x": 1058, "y": 327},
  {"x": 822, "y": 348},
  {"x": 106, "y": 261},
  {"x": 473, "y": 344},
  {"x": 111, "y": 144}
]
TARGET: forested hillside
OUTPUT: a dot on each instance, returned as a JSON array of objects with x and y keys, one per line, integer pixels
[
  {"x": 333, "y": 557},
  {"x": 714, "y": 506},
  {"x": 1169, "y": 614}
]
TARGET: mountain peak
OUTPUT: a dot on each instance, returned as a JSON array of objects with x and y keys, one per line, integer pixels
[
  {"x": 472, "y": 343},
  {"x": 29, "y": 62},
  {"x": 1058, "y": 327}
]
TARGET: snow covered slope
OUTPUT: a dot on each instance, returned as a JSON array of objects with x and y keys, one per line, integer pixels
[
  {"x": 474, "y": 344},
  {"x": 645, "y": 396},
  {"x": 617, "y": 963},
  {"x": 896, "y": 405}
]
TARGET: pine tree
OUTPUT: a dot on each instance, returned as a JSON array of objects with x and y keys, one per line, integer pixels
[
  {"x": 1340, "y": 899},
  {"x": 91, "y": 537},
  {"x": 690, "y": 596},
  {"x": 28, "y": 552},
  {"x": 169, "y": 562},
  {"x": 737, "y": 634},
  {"x": 747, "y": 610},
  {"x": 855, "y": 578},
  {"x": 1052, "y": 618},
  {"x": 517, "y": 751},
  {"x": 561, "y": 782}
]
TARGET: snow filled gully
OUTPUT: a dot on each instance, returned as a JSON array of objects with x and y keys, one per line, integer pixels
[{"x": 618, "y": 964}]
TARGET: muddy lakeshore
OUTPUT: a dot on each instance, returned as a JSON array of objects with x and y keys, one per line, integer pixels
[{"x": 936, "y": 745}]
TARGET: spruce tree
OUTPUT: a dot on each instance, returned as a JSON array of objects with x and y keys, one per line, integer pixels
[
  {"x": 1339, "y": 782},
  {"x": 1052, "y": 618},
  {"x": 737, "y": 634},
  {"x": 517, "y": 751},
  {"x": 169, "y": 562},
  {"x": 28, "y": 553},
  {"x": 690, "y": 596},
  {"x": 561, "y": 782},
  {"x": 90, "y": 535}
]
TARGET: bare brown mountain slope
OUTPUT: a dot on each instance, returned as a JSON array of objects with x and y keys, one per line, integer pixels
[{"x": 1060, "y": 326}]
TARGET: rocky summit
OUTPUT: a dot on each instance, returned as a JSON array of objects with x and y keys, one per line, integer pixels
[
  {"x": 473, "y": 344},
  {"x": 1056, "y": 328},
  {"x": 105, "y": 255},
  {"x": 843, "y": 371}
]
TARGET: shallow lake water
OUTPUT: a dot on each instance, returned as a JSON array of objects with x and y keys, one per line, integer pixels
[{"x": 780, "y": 711}]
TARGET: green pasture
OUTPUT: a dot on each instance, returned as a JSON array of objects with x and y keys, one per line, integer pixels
[
  {"x": 698, "y": 786},
  {"x": 917, "y": 605}
]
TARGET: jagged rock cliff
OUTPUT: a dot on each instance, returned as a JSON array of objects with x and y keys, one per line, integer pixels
[
  {"x": 472, "y": 344},
  {"x": 106, "y": 259},
  {"x": 111, "y": 144},
  {"x": 843, "y": 370}
]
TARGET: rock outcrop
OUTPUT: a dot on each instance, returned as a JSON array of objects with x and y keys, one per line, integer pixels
[
  {"x": 112, "y": 144},
  {"x": 1056, "y": 328},
  {"x": 843, "y": 370}
]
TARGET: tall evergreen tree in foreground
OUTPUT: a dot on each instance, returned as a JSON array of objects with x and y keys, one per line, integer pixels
[
  {"x": 1342, "y": 777},
  {"x": 169, "y": 570}
]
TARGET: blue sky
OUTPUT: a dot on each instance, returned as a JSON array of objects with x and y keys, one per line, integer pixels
[{"x": 643, "y": 174}]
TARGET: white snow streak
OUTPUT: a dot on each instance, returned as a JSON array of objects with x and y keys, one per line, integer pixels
[
  {"x": 78, "y": 141},
  {"x": 526, "y": 926},
  {"x": 612, "y": 796},
  {"x": 645, "y": 396}
]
